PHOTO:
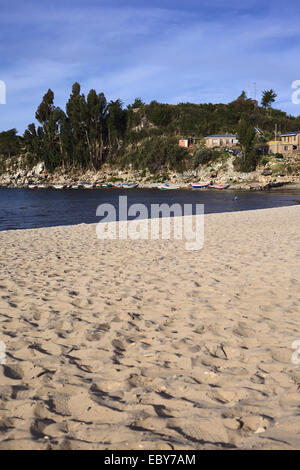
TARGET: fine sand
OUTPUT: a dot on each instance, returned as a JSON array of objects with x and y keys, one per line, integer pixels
[{"x": 145, "y": 345}]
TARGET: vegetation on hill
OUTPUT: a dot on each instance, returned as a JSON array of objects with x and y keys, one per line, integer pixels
[
  {"x": 9, "y": 143},
  {"x": 91, "y": 131}
]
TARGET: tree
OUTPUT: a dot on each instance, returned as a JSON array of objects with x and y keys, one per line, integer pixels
[
  {"x": 46, "y": 108},
  {"x": 49, "y": 116},
  {"x": 138, "y": 103},
  {"x": 9, "y": 142},
  {"x": 242, "y": 96},
  {"x": 116, "y": 123},
  {"x": 33, "y": 144},
  {"x": 94, "y": 114},
  {"x": 159, "y": 114},
  {"x": 76, "y": 111},
  {"x": 246, "y": 136},
  {"x": 268, "y": 97}
]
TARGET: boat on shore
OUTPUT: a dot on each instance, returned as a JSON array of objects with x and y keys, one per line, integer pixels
[
  {"x": 216, "y": 186},
  {"x": 200, "y": 185},
  {"x": 166, "y": 186},
  {"x": 130, "y": 185}
]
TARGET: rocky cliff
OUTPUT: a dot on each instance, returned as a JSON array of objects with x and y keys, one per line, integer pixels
[{"x": 272, "y": 171}]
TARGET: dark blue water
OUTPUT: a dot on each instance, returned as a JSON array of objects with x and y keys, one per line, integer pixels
[{"x": 24, "y": 208}]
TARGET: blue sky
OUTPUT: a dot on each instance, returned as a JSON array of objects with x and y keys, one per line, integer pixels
[{"x": 171, "y": 51}]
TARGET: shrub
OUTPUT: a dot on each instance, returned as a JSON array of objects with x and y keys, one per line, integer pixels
[
  {"x": 202, "y": 156},
  {"x": 264, "y": 161},
  {"x": 158, "y": 152},
  {"x": 246, "y": 163}
]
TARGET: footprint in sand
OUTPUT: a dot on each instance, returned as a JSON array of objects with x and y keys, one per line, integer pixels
[
  {"x": 119, "y": 348},
  {"x": 290, "y": 400},
  {"x": 37, "y": 427},
  {"x": 244, "y": 331},
  {"x": 254, "y": 423},
  {"x": 58, "y": 404},
  {"x": 13, "y": 372},
  {"x": 281, "y": 354}
]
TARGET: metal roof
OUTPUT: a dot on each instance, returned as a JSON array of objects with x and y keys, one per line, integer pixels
[
  {"x": 290, "y": 133},
  {"x": 220, "y": 136}
]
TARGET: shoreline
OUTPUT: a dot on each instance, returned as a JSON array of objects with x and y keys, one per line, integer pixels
[
  {"x": 116, "y": 344},
  {"x": 75, "y": 224},
  {"x": 276, "y": 186},
  {"x": 89, "y": 224}
]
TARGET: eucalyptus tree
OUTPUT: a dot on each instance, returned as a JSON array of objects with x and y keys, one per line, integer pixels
[
  {"x": 94, "y": 114},
  {"x": 48, "y": 115},
  {"x": 75, "y": 111},
  {"x": 268, "y": 98},
  {"x": 116, "y": 123}
]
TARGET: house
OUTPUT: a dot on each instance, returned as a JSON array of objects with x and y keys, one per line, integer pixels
[
  {"x": 183, "y": 143},
  {"x": 288, "y": 143},
  {"x": 189, "y": 142},
  {"x": 221, "y": 140},
  {"x": 274, "y": 146}
]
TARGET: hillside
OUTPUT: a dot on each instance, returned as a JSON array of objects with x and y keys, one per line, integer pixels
[{"x": 97, "y": 137}]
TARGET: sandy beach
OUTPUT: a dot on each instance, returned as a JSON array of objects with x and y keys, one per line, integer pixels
[{"x": 123, "y": 344}]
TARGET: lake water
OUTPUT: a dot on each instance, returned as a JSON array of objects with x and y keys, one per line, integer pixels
[{"x": 25, "y": 208}]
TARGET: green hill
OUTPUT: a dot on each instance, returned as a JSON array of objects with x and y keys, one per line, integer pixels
[{"x": 91, "y": 131}]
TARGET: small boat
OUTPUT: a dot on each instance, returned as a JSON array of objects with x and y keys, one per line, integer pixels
[
  {"x": 216, "y": 186},
  {"x": 58, "y": 186},
  {"x": 75, "y": 186},
  {"x": 32, "y": 186},
  {"x": 107, "y": 185},
  {"x": 166, "y": 186},
  {"x": 275, "y": 184},
  {"x": 129, "y": 185},
  {"x": 118, "y": 185},
  {"x": 88, "y": 186},
  {"x": 200, "y": 185},
  {"x": 41, "y": 186}
]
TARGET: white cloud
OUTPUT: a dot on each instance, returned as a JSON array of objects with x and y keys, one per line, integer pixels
[{"x": 155, "y": 53}]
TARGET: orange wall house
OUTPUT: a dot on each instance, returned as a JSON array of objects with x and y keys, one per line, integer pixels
[{"x": 183, "y": 143}]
